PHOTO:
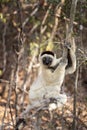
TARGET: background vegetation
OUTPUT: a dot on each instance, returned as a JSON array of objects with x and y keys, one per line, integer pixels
[{"x": 28, "y": 27}]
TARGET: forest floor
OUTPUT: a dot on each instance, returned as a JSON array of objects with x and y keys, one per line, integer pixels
[{"x": 43, "y": 119}]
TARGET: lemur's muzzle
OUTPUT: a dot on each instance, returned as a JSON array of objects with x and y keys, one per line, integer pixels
[{"x": 47, "y": 60}]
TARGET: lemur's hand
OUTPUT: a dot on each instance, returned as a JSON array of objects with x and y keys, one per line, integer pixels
[
  {"x": 67, "y": 45},
  {"x": 70, "y": 45}
]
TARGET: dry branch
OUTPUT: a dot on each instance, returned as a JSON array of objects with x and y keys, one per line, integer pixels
[
  {"x": 57, "y": 15},
  {"x": 44, "y": 19},
  {"x": 72, "y": 17},
  {"x": 4, "y": 47},
  {"x": 75, "y": 101},
  {"x": 8, "y": 102}
]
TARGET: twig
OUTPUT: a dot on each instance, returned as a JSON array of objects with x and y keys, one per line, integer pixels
[
  {"x": 34, "y": 28},
  {"x": 24, "y": 85},
  {"x": 4, "y": 81},
  {"x": 57, "y": 15},
  {"x": 72, "y": 14},
  {"x": 19, "y": 13},
  {"x": 10, "y": 92},
  {"x": 44, "y": 19},
  {"x": 8, "y": 101},
  {"x": 4, "y": 47},
  {"x": 72, "y": 17},
  {"x": 32, "y": 14},
  {"x": 21, "y": 39},
  {"x": 68, "y": 20},
  {"x": 46, "y": 15},
  {"x": 74, "y": 102}
]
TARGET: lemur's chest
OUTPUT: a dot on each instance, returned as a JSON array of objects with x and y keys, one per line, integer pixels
[{"x": 52, "y": 78}]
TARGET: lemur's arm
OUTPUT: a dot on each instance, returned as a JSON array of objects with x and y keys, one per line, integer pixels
[{"x": 71, "y": 57}]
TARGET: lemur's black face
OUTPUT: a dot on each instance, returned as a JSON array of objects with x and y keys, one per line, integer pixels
[{"x": 47, "y": 60}]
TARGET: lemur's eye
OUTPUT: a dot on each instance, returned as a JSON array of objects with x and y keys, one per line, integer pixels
[{"x": 50, "y": 59}]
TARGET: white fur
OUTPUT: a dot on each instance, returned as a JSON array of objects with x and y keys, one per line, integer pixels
[{"x": 48, "y": 83}]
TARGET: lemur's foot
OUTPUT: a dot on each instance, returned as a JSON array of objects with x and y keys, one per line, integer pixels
[
  {"x": 61, "y": 101},
  {"x": 58, "y": 102},
  {"x": 20, "y": 123}
]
